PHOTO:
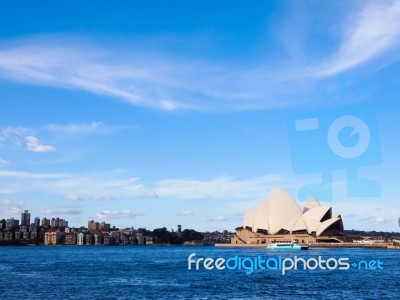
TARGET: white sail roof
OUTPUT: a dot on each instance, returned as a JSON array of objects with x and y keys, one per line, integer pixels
[
  {"x": 261, "y": 217},
  {"x": 299, "y": 225},
  {"x": 313, "y": 217},
  {"x": 283, "y": 211},
  {"x": 311, "y": 203},
  {"x": 324, "y": 225},
  {"x": 249, "y": 217}
]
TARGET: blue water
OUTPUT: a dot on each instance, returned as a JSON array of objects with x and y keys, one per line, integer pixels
[{"x": 162, "y": 272}]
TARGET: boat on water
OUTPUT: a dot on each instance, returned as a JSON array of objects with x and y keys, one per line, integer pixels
[{"x": 286, "y": 245}]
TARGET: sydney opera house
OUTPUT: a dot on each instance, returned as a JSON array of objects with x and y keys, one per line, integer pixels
[{"x": 281, "y": 218}]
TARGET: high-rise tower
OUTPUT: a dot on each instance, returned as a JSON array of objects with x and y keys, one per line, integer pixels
[{"x": 25, "y": 218}]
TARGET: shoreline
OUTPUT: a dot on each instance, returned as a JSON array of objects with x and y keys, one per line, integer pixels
[
  {"x": 318, "y": 245},
  {"x": 219, "y": 245}
]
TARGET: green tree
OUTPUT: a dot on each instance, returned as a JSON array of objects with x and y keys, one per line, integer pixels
[{"x": 192, "y": 235}]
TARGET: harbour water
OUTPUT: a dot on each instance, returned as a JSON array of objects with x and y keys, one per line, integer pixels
[{"x": 162, "y": 272}]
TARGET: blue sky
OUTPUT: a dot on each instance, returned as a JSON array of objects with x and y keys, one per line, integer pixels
[{"x": 166, "y": 113}]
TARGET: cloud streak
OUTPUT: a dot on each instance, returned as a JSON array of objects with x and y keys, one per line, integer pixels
[
  {"x": 65, "y": 211},
  {"x": 123, "y": 214},
  {"x": 217, "y": 219},
  {"x": 221, "y": 187},
  {"x": 185, "y": 213},
  {"x": 11, "y": 207},
  {"x": 72, "y": 197},
  {"x": 80, "y": 128},
  {"x": 105, "y": 186},
  {"x": 147, "y": 74},
  {"x": 157, "y": 80},
  {"x": 371, "y": 32},
  {"x": 34, "y": 144},
  {"x": 3, "y": 162},
  {"x": 30, "y": 175}
]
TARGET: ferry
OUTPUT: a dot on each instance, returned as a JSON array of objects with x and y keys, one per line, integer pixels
[{"x": 286, "y": 245}]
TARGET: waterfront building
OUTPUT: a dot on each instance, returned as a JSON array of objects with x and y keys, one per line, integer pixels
[
  {"x": 53, "y": 238},
  {"x": 1, "y": 235},
  {"x": 24, "y": 228},
  {"x": 36, "y": 222},
  {"x": 8, "y": 236},
  {"x": 89, "y": 239},
  {"x": 33, "y": 235},
  {"x": 33, "y": 228},
  {"x": 97, "y": 239},
  {"x": 45, "y": 222},
  {"x": 140, "y": 238},
  {"x": 104, "y": 226},
  {"x": 124, "y": 241},
  {"x": 281, "y": 218},
  {"x": 70, "y": 239},
  {"x": 25, "y": 218},
  {"x": 107, "y": 240},
  {"x": 80, "y": 239},
  {"x": 93, "y": 226},
  {"x": 53, "y": 222},
  {"x": 114, "y": 238},
  {"x": 41, "y": 233},
  {"x": 107, "y": 226},
  {"x": 25, "y": 235},
  {"x": 11, "y": 224},
  {"x": 113, "y": 241}
]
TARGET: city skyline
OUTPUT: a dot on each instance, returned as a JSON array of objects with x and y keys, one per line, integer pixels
[{"x": 159, "y": 116}]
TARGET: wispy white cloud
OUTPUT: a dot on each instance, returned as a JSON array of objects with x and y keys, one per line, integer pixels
[
  {"x": 69, "y": 129},
  {"x": 14, "y": 134},
  {"x": 81, "y": 128},
  {"x": 103, "y": 186},
  {"x": 369, "y": 33},
  {"x": 13, "y": 211},
  {"x": 34, "y": 144},
  {"x": 94, "y": 186},
  {"x": 72, "y": 197},
  {"x": 18, "y": 136},
  {"x": 5, "y": 191},
  {"x": 8, "y": 202},
  {"x": 101, "y": 197},
  {"x": 149, "y": 195},
  {"x": 185, "y": 213},
  {"x": 171, "y": 80},
  {"x": 3, "y": 162},
  {"x": 217, "y": 219},
  {"x": 61, "y": 211},
  {"x": 151, "y": 79},
  {"x": 376, "y": 220},
  {"x": 11, "y": 207},
  {"x": 123, "y": 214},
  {"x": 379, "y": 220},
  {"x": 221, "y": 187},
  {"x": 30, "y": 175}
]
